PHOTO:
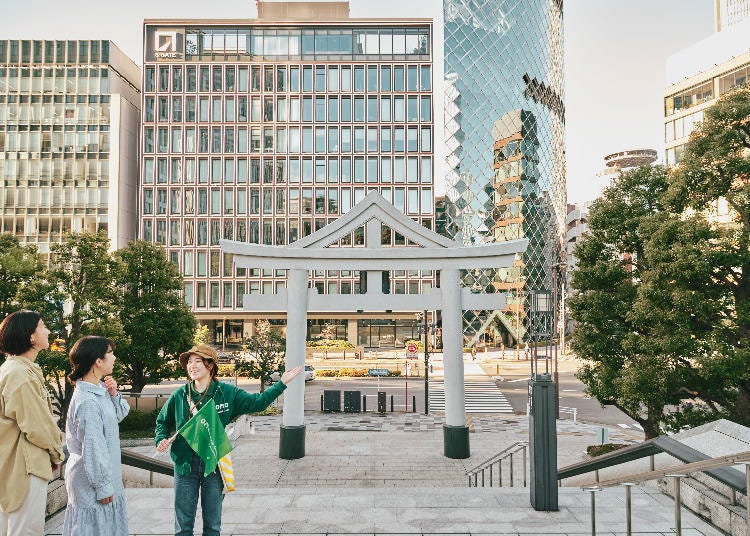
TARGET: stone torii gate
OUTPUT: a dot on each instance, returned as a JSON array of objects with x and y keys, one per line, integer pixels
[{"x": 436, "y": 252}]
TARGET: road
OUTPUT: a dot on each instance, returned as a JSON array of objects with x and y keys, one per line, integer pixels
[
  {"x": 511, "y": 377},
  {"x": 512, "y": 381}
]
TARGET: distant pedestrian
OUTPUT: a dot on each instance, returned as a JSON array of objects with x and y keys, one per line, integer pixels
[
  {"x": 93, "y": 474},
  {"x": 202, "y": 366},
  {"x": 30, "y": 441},
  {"x": 526, "y": 352},
  {"x": 474, "y": 352},
  {"x": 502, "y": 350}
]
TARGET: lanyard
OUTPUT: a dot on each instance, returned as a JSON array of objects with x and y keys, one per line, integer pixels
[{"x": 194, "y": 405}]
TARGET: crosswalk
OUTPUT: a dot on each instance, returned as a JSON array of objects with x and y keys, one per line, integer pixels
[{"x": 482, "y": 396}]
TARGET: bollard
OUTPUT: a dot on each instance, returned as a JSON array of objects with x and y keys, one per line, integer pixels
[
  {"x": 391, "y": 403},
  {"x": 381, "y": 402},
  {"x": 414, "y": 404},
  {"x": 364, "y": 403},
  {"x": 321, "y": 402}
]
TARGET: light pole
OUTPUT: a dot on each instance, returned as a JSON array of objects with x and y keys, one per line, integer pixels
[
  {"x": 426, "y": 329},
  {"x": 558, "y": 271}
]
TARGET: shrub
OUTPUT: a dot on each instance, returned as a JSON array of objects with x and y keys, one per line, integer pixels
[
  {"x": 139, "y": 420},
  {"x": 598, "y": 450},
  {"x": 329, "y": 343},
  {"x": 395, "y": 373},
  {"x": 226, "y": 370},
  {"x": 327, "y": 372},
  {"x": 270, "y": 410}
]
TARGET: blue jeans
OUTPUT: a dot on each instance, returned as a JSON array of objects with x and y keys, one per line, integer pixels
[{"x": 186, "y": 489}]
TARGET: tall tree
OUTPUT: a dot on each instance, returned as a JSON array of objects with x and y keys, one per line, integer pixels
[
  {"x": 18, "y": 266},
  {"x": 621, "y": 367},
  {"x": 76, "y": 292},
  {"x": 157, "y": 323},
  {"x": 266, "y": 350},
  {"x": 715, "y": 170}
]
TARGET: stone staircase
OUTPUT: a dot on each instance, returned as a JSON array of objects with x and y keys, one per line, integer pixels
[
  {"x": 387, "y": 475},
  {"x": 498, "y": 511}
]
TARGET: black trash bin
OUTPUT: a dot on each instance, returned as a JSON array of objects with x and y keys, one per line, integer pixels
[
  {"x": 331, "y": 401},
  {"x": 352, "y": 402},
  {"x": 381, "y": 402}
]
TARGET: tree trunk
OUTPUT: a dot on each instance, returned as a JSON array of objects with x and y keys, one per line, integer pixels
[
  {"x": 137, "y": 379},
  {"x": 743, "y": 402},
  {"x": 650, "y": 423},
  {"x": 64, "y": 404}
]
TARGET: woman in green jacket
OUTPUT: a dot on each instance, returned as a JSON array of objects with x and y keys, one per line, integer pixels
[{"x": 202, "y": 365}]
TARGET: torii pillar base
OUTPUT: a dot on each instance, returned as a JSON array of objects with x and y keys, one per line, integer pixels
[
  {"x": 292, "y": 442},
  {"x": 456, "y": 442}
]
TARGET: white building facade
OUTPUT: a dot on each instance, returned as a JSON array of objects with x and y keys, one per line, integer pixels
[{"x": 69, "y": 128}]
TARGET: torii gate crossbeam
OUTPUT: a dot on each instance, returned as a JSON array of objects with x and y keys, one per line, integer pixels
[{"x": 436, "y": 253}]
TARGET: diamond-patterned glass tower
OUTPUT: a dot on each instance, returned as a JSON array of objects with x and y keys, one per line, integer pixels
[{"x": 504, "y": 131}]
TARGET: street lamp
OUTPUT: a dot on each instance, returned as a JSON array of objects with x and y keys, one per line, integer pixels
[
  {"x": 558, "y": 271},
  {"x": 426, "y": 329}
]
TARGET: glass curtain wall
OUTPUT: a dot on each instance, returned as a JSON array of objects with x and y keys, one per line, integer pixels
[{"x": 504, "y": 124}]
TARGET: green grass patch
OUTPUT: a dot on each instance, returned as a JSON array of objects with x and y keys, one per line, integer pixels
[{"x": 606, "y": 448}]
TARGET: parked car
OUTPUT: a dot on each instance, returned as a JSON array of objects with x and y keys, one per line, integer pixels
[{"x": 309, "y": 374}]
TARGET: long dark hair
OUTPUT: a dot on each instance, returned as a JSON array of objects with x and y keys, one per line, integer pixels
[
  {"x": 85, "y": 352},
  {"x": 16, "y": 330}
]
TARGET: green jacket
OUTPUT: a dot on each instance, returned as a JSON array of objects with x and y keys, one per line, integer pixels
[{"x": 231, "y": 402}]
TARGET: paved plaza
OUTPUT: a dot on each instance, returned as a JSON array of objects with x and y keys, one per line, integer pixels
[{"x": 366, "y": 474}]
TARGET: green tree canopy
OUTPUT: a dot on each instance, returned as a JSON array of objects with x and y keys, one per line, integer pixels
[
  {"x": 662, "y": 287},
  {"x": 714, "y": 170},
  {"x": 621, "y": 366},
  {"x": 265, "y": 351},
  {"x": 157, "y": 323},
  {"x": 18, "y": 266}
]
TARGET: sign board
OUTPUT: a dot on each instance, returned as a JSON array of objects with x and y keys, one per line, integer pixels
[
  {"x": 411, "y": 351},
  {"x": 378, "y": 372}
]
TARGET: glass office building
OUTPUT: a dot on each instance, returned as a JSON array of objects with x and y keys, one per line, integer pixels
[
  {"x": 69, "y": 113},
  {"x": 504, "y": 129},
  {"x": 265, "y": 131}
]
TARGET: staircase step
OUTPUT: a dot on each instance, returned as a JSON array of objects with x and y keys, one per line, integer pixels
[{"x": 499, "y": 511}]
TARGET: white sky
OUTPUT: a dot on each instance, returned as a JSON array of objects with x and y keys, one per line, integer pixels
[{"x": 615, "y": 55}]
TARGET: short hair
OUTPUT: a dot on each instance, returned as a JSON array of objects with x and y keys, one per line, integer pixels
[
  {"x": 16, "y": 330},
  {"x": 85, "y": 352}
]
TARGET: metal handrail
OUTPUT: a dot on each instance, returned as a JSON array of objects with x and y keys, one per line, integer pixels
[
  {"x": 498, "y": 459},
  {"x": 135, "y": 459},
  {"x": 726, "y": 475},
  {"x": 502, "y": 454},
  {"x": 676, "y": 472},
  {"x": 687, "y": 468}
]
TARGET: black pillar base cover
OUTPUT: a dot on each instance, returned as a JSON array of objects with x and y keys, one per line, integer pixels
[
  {"x": 456, "y": 442},
  {"x": 292, "y": 442}
]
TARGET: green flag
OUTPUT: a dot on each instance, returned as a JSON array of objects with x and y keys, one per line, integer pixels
[{"x": 206, "y": 436}]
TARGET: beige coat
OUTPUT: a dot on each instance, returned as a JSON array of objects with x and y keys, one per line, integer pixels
[{"x": 30, "y": 441}]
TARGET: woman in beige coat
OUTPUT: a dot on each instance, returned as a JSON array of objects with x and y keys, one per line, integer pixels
[{"x": 30, "y": 441}]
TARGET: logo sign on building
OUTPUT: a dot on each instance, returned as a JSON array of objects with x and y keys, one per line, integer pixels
[
  {"x": 167, "y": 45},
  {"x": 411, "y": 351}
]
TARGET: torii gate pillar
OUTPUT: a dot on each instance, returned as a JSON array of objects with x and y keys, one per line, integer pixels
[
  {"x": 292, "y": 434},
  {"x": 455, "y": 431}
]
